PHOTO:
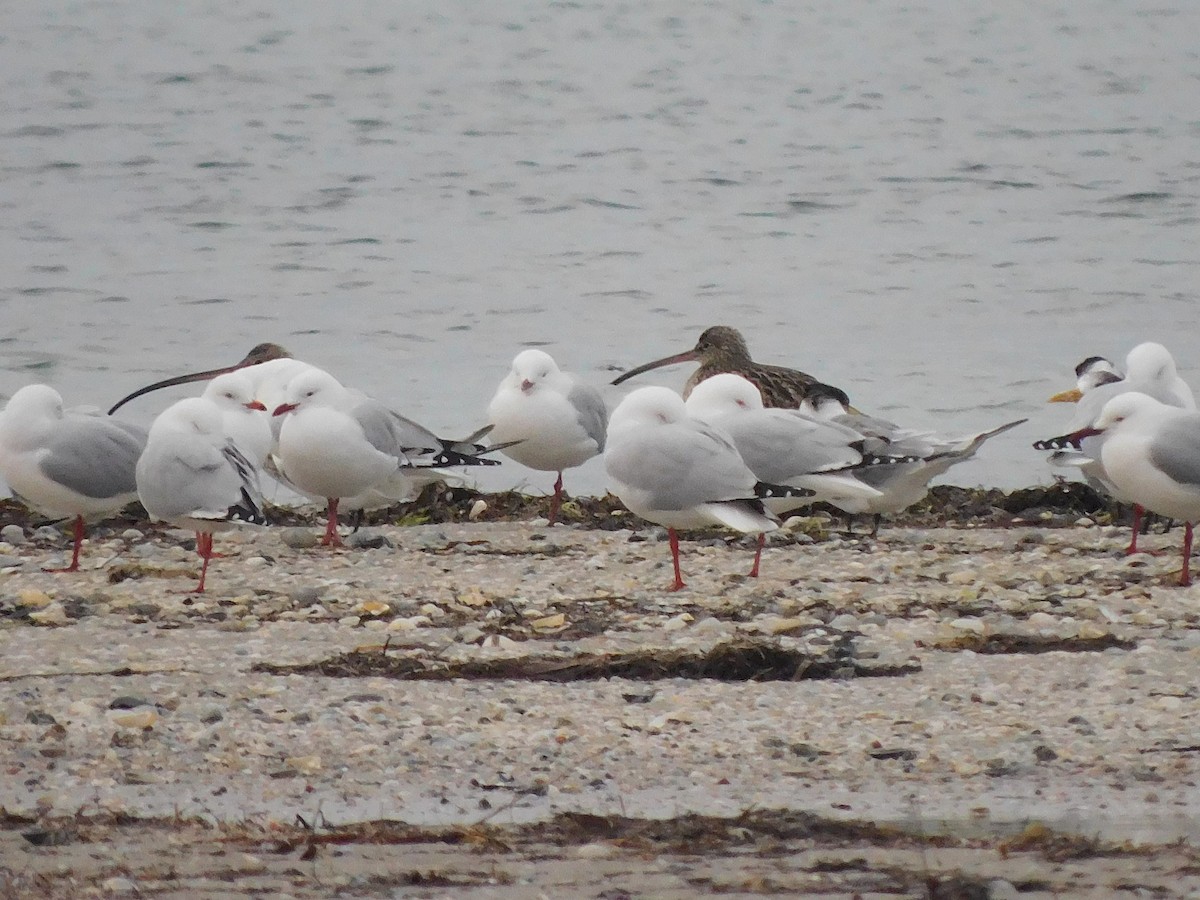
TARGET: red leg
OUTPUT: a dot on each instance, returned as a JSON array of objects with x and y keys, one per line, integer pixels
[
  {"x": 1185, "y": 576},
  {"x": 204, "y": 542},
  {"x": 74, "y": 566},
  {"x": 762, "y": 539},
  {"x": 1137, "y": 525},
  {"x": 556, "y": 500},
  {"x": 332, "y": 538},
  {"x": 1139, "y": 513},
  {"x": 674, "y": 539}
]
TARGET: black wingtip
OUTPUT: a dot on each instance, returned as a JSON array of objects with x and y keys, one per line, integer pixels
[
  {"x": 764, "y": 490},
  {"x": 1062, "y": 442}
]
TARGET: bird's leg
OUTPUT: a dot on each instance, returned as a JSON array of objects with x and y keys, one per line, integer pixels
[
  {"x": 674, "y": 539},
  {"x": 204, "y": 543},
  {"x": 556, "y": 500},
  {"x": 1138, "y": 512},
  {"x": 762, "y": 539},
  {"x": 332, "y": 539},
  {"x": 74, "y": 566},
  {"x": 1185, "y": 576},
  {"x": 875, "y": 522}
]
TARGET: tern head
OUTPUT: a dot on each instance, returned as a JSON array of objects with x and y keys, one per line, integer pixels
[
  {"x": 312, "y": 387},
  {"x": 722, "y": 394},
  {"x": 1090, "y": 374},
  {"x": 825, "y": 401},
  {"x": 531, "y": 368},
  {"x": 233, "y": 390}
]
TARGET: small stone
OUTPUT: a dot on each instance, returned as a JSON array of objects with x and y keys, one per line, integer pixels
[
  {"x": 1044, "y": 753},
  {"x": 678, "y": 623},
  {"x": 478, "y": 508},
  {"x": 126, "y": 701},
  {"x": 432, "y": 610},
  {"x": 368, "y": 540},
  {"x": 132, "y": 534},
  {"x": 373, "y": 608},
  {"x": 299, "y": 538},
  {"x": 32, "y": 599},
  {"x": 305, "y": 596},
  {"x": 12, "y": 534},
  {"x": 408, "y": 623},
  {"x": 118, "y": 886},
  {"x": 844, "y": 622},
  {"x": 141, "y": 719},
  {"x": 973, "y": 625},
  {"x": 500, "y": 641},
  {"x": 549, "y": 623},
  {"x": 54, "y": 614},
  {"x": 213, "y": 716},
  {"x": 10, "y": 562},
  {"x": 308, "y": 765}
]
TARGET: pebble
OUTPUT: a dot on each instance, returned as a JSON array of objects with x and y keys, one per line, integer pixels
[
  {"x": 299, "y": 538},
  {"x": 10, "y": 562},
  {"x": 369, "y": 540},
  {"x": 12, "y": 534}
]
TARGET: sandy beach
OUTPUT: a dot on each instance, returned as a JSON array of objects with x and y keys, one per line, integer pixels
[{"x": 501, "y": 709}]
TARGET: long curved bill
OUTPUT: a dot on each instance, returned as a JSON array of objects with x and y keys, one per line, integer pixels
[
  {"x": 259, "y": 354},
  {"x": 687, "y": 356}
]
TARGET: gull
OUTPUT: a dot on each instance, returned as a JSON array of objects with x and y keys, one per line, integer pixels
[
  {"x": 192, "y": 475},
  {"x": 785, "y": 446},
  {"x": 337, "y": 443},
  {"x": 67, "y": 464},
  {"x": 244, "y": 418},
  {"x": 679, "y": 472},
  {"x": 723, "y": 349},
  {"x": 904, "y": 483},
  {"x": 551, "y": 419},
  {"x": 1149, "y": 369},
  {"x": 1151, "y": 453}
]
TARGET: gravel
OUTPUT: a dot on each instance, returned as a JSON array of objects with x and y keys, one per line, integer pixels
[{"x": 157, "y": 703}]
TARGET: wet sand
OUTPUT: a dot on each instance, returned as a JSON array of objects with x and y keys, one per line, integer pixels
[{"x": 503, "y": 709}]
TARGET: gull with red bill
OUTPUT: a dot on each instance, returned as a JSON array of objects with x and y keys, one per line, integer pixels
[
  {"x": 1151, "y": 453},
  {"x": 551, "y": 420},
  {"x": 338, "y": 443},
  {"x": 680, "y": 472}
]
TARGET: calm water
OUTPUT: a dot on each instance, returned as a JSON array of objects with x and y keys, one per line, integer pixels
[{"x": 939, "y": 211}]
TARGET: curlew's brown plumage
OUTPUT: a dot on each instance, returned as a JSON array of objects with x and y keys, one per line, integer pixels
[{"x": 723, "y": 349}]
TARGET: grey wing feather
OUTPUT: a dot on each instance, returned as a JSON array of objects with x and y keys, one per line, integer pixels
[
  {"x": 181, "y": 478},
  {"x": 1176, "y": 450},
  {"x": 593, "y": 413},
  {"x": 94, "y": 456},
  {"x": 382, "y": 428},
  {"x": 682, "y": 466},
  {"x": 778, "y": 445}
]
